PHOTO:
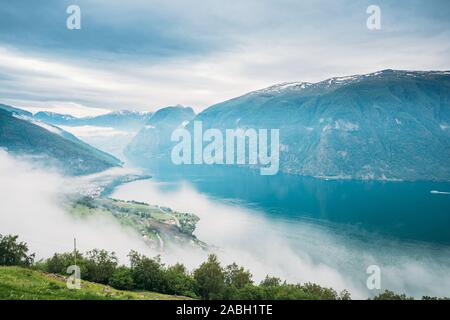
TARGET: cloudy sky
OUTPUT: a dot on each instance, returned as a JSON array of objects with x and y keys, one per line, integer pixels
[{"x": 144, "y": 55}]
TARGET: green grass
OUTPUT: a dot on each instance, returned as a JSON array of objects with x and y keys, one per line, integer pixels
[
  {"x": 159, "y": 215},
  {"x": 25, "y": 284}
]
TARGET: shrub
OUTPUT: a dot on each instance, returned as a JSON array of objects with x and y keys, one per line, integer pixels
[
  {"x": 316, "y": 292},
  {"x": 59, "y": 263},
  {"x": 122, "y": 279},
  {"x": 100, "y": 266},
  {"x": 13, "y": 252},
  {"x": 389, "y": 295}
]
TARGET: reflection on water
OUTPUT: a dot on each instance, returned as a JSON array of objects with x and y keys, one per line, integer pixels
[
  {"x": 406, "y": 210},
  {"x": 304, "y": 229}
]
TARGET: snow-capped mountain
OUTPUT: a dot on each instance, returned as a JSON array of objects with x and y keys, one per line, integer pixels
[
  {"x": 387, "y": 125},
  {"x": 124, "y": 119},
  {"x": 335, "y": 82}
]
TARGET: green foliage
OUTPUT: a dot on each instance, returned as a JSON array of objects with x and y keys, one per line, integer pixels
[
  {"x": 270, "y": 282},
  {"x": 180, "y": 282},
  {"x": 389, "y": 295},
  {"x": 345, "y": 295},
  {"x": 59, "y": 263},
  {"x": 317, "y": 292},
  {"x": 250, "y": 292},
  {"x": 148, "y": 274},
  {"x": 96, "y": 266},
  {"x": 434, "y": 298},
  {"x": 100, "y": 265},
  {"x": 122, "y": 279},
  {"x": 210, "y": 279},
  {"x": 237, "y": 276},
  {"x": 17, "y": 283},
  {"x": 13, "y": 252}
]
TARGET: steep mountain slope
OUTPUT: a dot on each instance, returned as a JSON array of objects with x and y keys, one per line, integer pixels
[
  {"x": 385, "y": 125},
  {"x": 52, "y": 145},
  {"x": 153, "y": 141},
  {"x": 16, "y": 111},
  {"x": 126, "y": 120}
]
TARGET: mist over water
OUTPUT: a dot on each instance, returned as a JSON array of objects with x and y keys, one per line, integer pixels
[
  {"x": 297, "y": 250},
  {"x": 301, "y": 250},
  {"x": 32, "y": 207}
]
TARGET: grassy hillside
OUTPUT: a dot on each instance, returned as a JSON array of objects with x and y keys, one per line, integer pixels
[{"x": 24, "y": 284}]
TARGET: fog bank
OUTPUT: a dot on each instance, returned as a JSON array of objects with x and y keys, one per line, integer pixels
[
  {"x": 301, "y": 251},
  {"x": 32, "y": 208}
]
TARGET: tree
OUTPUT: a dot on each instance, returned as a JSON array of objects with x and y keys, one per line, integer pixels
[
  {"x": 345, "y": 295},
  {"x": 59, "y": 262},
  {"x": 270, "y": 282},
  {"x": 210, "y": 279},
  {"x": 250, "y": 292},
  {"x": 100, "y": 265},
  {"x": 180, "y": 282},
  {"x": 317, "y": 292},
  {"x": 14, "y": 253},
  {"x": 389, "y": 295},
  {"x": 148, "y": 274},
  {"x": 122, "y": 279},
  {"x": 237, "y": 276}
]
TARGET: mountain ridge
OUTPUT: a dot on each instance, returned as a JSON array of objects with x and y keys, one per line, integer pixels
[
  {"x": 60, "y": 148},
  {"x": 153, "y": 140},
  {"x": 123, "y": 119},
  {"x": 343, "y": 80},
  {"x": 387, "y": 125}
]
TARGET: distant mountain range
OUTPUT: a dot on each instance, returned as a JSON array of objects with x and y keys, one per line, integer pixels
[
  {"x": 16, "y": 111},
  {"x": 387, "y": 125},
  {"x": 125, "y": 120},
  {"x": 153, "y": 141},
  {"x": 23, "y": 135}
]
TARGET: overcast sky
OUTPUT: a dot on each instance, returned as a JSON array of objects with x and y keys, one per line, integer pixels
[{"x": 143, "y": 55}]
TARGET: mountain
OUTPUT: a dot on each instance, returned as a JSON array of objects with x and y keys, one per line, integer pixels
[
  {"x": 153, "y": 140},
  {"x": 387, "y": 125},
  {"x": 125, "y": 120},
  {"x": 54, "y": 118},
  {"x": 16, "y": 111},
  {"x": 384, "y": 125},
  {"x": 51, "y": 145}
]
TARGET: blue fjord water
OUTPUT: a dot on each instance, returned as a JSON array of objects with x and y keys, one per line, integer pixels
[
  {"x": 307, "y": 229},
  {"x": 403, "y": 210}
]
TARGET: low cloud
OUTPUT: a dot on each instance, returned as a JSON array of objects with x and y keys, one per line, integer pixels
[
  {"x": 31, "y": 208},
  {"x": 300, "y": 251},
  {"x": 297, "y": 251}
]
